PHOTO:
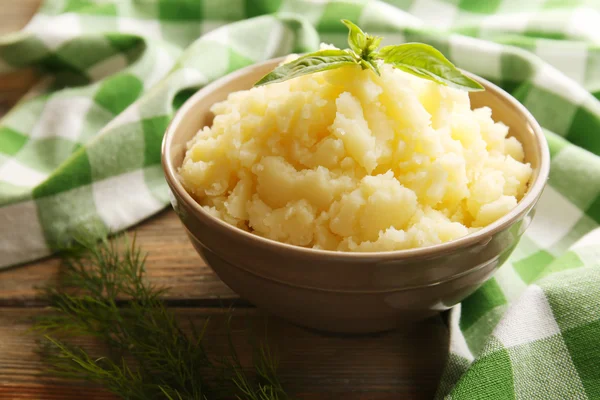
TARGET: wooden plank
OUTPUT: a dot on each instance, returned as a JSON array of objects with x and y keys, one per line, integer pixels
[
  {"x": 14, "y": 85},
  {"x": 404, "y": 364},
  {"x": 172, "y": 262}
]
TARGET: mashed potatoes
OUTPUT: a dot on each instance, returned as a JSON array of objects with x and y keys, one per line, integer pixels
[{"x": 347, "y": 160}]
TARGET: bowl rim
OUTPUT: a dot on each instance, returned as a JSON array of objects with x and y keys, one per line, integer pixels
[{"x": 483, "y": 236}]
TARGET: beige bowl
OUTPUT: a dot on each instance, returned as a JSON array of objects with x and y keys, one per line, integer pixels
[{"x": 350, "y": 292}]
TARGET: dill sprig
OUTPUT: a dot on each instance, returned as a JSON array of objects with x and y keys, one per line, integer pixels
[{"x": 147, "y": 353}]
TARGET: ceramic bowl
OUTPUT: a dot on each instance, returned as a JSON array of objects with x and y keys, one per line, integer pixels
[{"x": 350, "y": 292}]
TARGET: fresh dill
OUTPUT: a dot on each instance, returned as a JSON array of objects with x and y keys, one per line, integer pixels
[{"x": 148, "y": 355}]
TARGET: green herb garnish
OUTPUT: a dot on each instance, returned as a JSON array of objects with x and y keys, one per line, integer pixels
[
  {"x": 418, "y": 59},
  {"x": 145, "y": 352}
]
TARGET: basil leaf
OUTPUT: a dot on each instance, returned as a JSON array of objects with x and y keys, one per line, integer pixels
[
  {"x": 314, "y": 62},
  {"x": 357, "y": 39},
  {"x": 426, "y": 62},
  {"x": 372, "y": 43},
  {"x": 370, "y": 64},
  {"x": 418, "y": 59}
]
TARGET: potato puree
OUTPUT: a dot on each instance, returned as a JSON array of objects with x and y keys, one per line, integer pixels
[{"x": 346, "y": 160}]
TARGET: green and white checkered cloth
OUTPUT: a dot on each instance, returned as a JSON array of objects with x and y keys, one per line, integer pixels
[{"x": 84, "y": 147}]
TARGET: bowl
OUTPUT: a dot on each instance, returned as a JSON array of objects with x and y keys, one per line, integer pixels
[{"x": 350, "y": 292}]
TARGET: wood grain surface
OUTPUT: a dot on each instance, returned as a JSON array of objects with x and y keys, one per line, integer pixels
[{"x": 405, "y": 364}]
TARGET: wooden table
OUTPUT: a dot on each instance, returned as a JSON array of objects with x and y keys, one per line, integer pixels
[{"x": 405, "y": 364}]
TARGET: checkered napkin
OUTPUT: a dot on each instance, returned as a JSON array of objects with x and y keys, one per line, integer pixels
[{"x": 84, "y": 147}]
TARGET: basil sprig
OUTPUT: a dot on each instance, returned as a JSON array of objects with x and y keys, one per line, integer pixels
[{"x": 418, "y": 59}]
